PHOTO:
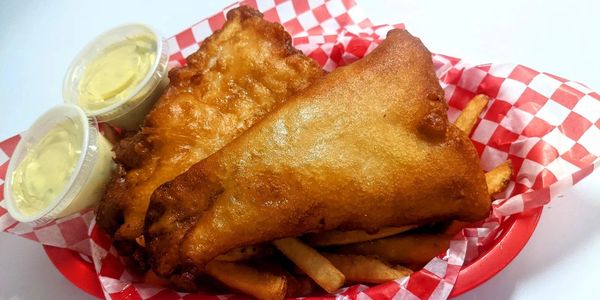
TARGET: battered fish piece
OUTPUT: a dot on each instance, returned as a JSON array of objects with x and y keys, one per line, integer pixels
[
  {"x": 239, "y": 74},
  {"x": 366, "y": 147}
]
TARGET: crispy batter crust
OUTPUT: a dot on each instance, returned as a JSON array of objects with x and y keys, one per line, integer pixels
[
  {"x": 239, "y": 74},
  {"x": 368, "y": 146}
]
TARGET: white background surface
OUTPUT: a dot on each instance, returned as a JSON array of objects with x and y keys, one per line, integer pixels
[{"x": 39, "y": 39}]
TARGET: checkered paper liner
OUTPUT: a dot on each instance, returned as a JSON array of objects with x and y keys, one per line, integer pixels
[{"x": 548, "y": 126}]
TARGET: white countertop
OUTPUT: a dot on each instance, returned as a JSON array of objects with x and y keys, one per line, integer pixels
[{"x": 561, "y": 261}]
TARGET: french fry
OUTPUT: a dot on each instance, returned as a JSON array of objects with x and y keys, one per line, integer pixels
[
  {"x": 245, "y": 253},
  {"x": 315, "y": 265},
  {"x": 361, "y": 268},
  {"x": 337, "y": 237},
  {"x": 297, "y": 285},
  {"x": 498, "y": 178},
  {"x": 261, "y": 285},
  {"x": 467, "y": 118},
  {"x": 409, "y": 249}
]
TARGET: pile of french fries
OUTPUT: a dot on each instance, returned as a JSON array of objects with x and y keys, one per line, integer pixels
[{"x": 330, "y": 259}]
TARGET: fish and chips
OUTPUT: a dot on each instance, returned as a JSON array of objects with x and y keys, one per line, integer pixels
[{"x": 254, "y": 157}]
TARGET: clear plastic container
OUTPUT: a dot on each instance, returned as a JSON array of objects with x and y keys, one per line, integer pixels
[
  {"x": 89, "y": 178},
  {"x": 129, "y": 112}
]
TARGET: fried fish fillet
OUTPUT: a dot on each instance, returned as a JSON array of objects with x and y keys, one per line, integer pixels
[
  {"x": 239, "y": 74},
  {"x": 367, "y": 146}
]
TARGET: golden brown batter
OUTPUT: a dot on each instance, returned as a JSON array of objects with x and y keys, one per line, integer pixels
[
  {"x": 239, "y": 74},
  {"x": 366, "y": 147}
]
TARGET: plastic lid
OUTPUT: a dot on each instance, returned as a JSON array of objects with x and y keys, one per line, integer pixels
[
  {"x": 81, "y": 173},
  {"x": 157, "y": 72}
]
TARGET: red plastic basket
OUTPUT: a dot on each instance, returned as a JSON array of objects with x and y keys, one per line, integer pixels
[{"x": 516, "y": 232}]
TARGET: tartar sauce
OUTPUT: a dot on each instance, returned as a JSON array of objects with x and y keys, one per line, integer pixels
[
  {"x": 113, "y": 74},
  {"x": 46, "y": 169}
]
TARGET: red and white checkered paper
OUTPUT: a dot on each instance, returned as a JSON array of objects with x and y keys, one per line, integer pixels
[{"x": 547, "y": 125}]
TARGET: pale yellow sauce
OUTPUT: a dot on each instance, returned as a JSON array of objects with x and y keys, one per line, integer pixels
[
  {"x": 114, "y": 74},
  {"x": 47, "y": 167}
]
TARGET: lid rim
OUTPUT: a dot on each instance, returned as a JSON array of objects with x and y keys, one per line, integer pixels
[
  {"x": 159, "y": 65},
  {"x": 40, "y": 130}
]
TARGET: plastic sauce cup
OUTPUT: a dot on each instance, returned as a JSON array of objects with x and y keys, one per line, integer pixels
[
  {"x": 129, "y": 112},
  {"x": 87, "y": 181}
]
